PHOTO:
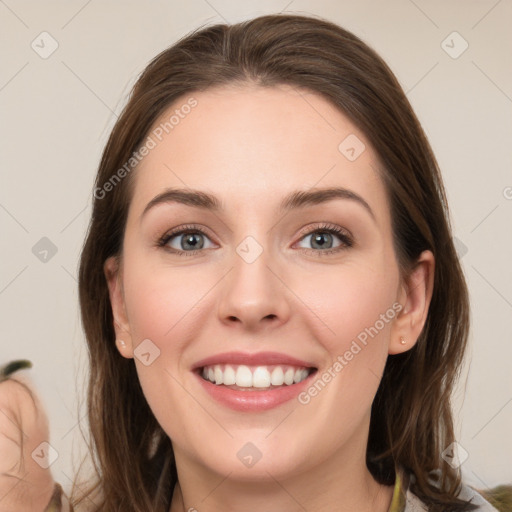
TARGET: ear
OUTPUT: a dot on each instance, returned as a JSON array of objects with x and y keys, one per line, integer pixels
[
  {"x": 113, "y": 273},
  {"x": 414, "y": 295}
]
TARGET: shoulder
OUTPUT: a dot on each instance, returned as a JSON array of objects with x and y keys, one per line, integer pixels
[
  {"x": 467, "y": 493},
  {"x": 414, "y": 504}
]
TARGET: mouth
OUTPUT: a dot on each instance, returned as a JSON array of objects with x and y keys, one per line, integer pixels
[
  {"x": 254, "y": 378},
  {"x": 253, "y": 382}
]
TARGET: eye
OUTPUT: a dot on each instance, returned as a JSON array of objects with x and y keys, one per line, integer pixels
[
  {"x": 184, "y": 241},
  {"x": 322, "y": 239},
  {"x": 189, "y": 240}
]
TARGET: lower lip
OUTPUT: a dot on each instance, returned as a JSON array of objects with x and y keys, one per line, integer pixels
[{"x": 253, "y": 401}]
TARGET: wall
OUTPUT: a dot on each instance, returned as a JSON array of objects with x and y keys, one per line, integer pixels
[{"x": 57, "y": 110}]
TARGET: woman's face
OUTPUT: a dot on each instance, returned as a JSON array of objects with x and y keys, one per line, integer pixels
[{"x": 259, "y": 289}]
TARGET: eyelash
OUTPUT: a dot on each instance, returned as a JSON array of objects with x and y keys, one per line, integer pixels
[{"x": 346, "y": 240}]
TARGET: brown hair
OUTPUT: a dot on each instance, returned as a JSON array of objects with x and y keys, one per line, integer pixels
[{"x": 411, "y": 421}]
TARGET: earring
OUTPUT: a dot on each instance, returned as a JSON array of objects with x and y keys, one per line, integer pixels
[
  {"x": 402, "y": 340},
  {"x": 122, "y": 343}
]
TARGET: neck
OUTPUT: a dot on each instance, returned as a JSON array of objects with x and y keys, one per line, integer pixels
[{"x": 336, "y": 484}]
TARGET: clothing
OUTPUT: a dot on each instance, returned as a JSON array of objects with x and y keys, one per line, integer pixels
[
  {"x": 59, "y": 501},
  {"x": 404, "y": 500}
]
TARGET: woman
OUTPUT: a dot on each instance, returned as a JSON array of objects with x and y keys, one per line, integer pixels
[{"x": 273, "y": 305}]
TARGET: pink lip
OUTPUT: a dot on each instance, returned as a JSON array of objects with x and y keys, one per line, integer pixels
[
  {"x": 253, "y": 401},
  {"x": 256, "y": 359}
]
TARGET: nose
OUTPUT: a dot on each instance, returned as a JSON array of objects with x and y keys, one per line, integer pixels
[{"x": 253, "y": 294}]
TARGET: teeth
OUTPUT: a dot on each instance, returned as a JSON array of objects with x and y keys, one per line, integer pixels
[
  {"x": 261, "y": 377},
  {"x": 229, "y": 376},
  {"x": 254, "y": 377},
  {"x": 288, "y": 377},
  {"x": 243, "y": 377},
  {"x": 219, "y": 377},
  {"x": 277, "y": 377}
]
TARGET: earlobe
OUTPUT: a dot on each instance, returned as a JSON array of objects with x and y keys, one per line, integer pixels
[
  {"x": 415, "y": 296},
  {"x": 124, "y": 348},
  {"x": 112, "y": 273}
]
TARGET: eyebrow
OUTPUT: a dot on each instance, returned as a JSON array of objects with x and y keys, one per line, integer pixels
[{"x": 293, "y": 201}]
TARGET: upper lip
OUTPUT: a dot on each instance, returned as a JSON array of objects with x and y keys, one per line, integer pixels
[{"x": 252, "y": 359}]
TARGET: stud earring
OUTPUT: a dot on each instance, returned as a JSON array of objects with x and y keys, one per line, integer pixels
[
  {"x": 122, "y": 343},
  {"x": 402, "y": 340}
]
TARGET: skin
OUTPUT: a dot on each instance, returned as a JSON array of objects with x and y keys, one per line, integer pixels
[
  {"x": 251, "y": 146},
  {"x": 25, "y": 486}
]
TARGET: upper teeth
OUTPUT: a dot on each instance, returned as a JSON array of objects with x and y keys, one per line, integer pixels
[{"x": 257, "y": 376}]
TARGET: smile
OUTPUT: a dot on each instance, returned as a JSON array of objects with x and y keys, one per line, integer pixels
[
  {"x": 253, "y": 382},
  {"x": 246, "y": 378}
]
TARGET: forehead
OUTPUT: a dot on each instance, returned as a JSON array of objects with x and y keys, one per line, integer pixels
[{"x": 252, "y": 145}]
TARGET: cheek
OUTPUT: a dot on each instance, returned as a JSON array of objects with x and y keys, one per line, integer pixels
[
  {"x": 350, "y": 301},
  {"x": 160, "y": 301},
  {"x": 161, "y": 305},
  {"x": 344, "y": 309},
  {"x": 355, "y": 305}
]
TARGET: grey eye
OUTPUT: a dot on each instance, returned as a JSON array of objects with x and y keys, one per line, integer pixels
[
  {"x": 187, "y": 241},
  {"x": 321, "y": 240}
]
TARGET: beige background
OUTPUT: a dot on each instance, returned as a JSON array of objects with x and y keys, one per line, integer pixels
[{"x": 57, "y": 112}]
